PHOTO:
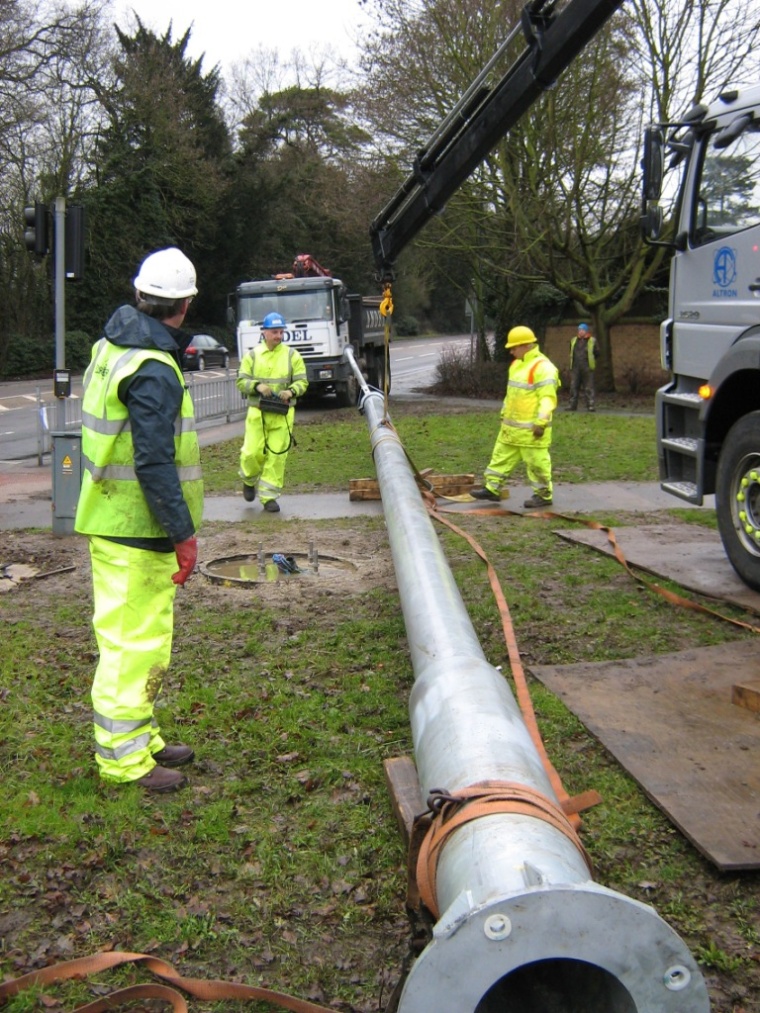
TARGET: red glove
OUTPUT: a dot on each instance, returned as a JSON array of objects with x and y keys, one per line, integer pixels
[{"x": 187, "y": 557}]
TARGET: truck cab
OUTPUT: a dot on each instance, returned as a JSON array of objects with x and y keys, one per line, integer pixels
[
  {"x": 708, "y": 415},
  {"x": 323, "y": 320}
]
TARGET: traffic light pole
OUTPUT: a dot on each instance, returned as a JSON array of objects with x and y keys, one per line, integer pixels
[
  {"x": 67, "y": 447},
  {"x": 60, "y": 303}
]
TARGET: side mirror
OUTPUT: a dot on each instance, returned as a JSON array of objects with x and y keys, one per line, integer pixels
[
  {"x": 231, "y": 319},
  {"x": 650, "y": 223},
  {"x": 653, "y": 164},
  {"x": 344, "y": 308}
]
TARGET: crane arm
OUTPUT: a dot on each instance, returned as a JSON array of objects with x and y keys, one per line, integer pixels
[{"x": 482, "y": 116}]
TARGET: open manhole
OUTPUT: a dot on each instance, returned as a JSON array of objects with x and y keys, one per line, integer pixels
[{"x": 266, "y": 567}]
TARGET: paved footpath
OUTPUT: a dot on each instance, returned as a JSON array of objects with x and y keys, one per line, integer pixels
[
  {"x": 26, "y": 500},
  {"x": 26, "y": 495}
]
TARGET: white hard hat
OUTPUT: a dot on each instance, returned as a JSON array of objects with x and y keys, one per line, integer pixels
[{"x": 167, "y": 274}]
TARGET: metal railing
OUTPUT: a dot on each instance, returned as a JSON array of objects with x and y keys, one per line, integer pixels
[{"x": 214, "y": 398}]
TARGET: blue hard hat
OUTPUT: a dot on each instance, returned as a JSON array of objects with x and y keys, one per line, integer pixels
[
  {"x": 582, "y": 327},
  {"x": 272, "y": 320}
]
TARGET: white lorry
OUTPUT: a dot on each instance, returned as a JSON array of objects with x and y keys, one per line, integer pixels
[
  {"x": 708, "y": 415},
  {"x": 323, "y": 320}
]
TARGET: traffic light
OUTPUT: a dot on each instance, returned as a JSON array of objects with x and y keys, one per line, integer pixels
[
  {"x": 75, "y": 233},
  {"x": 36, "y": 229}
]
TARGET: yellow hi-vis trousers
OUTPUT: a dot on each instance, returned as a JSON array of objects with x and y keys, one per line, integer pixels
[
  {"x": 134, "y": 622},
  {"x": 506, "y": 457},
  {"x": 265, "y": 452}
]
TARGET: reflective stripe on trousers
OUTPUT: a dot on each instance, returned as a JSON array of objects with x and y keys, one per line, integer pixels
[{"x": 133, "y": 621}]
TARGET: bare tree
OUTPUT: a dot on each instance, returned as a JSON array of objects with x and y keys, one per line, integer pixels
[
  {"x": 50, "y": 55},
  {"x": 557, "y": 200}
]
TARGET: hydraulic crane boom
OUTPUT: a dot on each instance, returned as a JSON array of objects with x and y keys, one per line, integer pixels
[{"x": 483, "y": 115}]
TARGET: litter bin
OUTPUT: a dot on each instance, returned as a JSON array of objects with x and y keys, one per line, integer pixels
[{"x": 67, "y": 479}]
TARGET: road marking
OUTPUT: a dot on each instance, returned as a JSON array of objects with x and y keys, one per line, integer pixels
[{"x": 411, "y": 372}]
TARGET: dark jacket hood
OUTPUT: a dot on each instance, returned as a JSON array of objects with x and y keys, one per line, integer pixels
[{"x": 129, "y": 328}]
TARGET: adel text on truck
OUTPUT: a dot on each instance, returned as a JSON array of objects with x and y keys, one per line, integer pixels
[
  {"x": 323, "y": 320},
  {"x": 708, "y": 415}
]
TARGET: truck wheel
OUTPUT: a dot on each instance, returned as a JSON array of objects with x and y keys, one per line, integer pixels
[
  {"x": 347, "y": 392},
  {"x": 737, "y": 498},
  {"x": 376, "y": 370}
]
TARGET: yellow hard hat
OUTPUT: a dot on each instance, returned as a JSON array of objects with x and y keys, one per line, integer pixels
[{"x": 520, "y": 336}]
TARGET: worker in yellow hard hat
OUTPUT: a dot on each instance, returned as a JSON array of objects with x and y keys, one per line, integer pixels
[{"x": 526, "y": 422}]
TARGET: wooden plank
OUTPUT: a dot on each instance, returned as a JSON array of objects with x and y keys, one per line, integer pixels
[
  {"x": 442, "y": 485},
  {"x": 747, "y": 694},
  {"x": 404, "y": 790}
]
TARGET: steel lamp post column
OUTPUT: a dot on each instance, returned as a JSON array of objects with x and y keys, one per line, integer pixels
[{"x": 523, "y": 927}]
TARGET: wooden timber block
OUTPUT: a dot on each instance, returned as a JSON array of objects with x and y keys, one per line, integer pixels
[
  {"x": 747, "y": 694},
  {"x": 442, "y": 485},
  {"x": 404, "y": 790}
]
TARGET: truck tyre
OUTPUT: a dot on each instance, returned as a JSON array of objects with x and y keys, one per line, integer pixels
[
  {"x": 347, "y": 392},
  {"x": 376, "y": 370},
  {"x": 737, "y": 498}
]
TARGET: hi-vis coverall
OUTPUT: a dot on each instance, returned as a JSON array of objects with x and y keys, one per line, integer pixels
[
  {"x": 268, "y": 437},
  {"x": 141, "y": 494},
  {"x": 530, "y": 401}
]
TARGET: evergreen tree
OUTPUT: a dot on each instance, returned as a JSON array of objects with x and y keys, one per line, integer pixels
[{"x": 161, "y": 175}]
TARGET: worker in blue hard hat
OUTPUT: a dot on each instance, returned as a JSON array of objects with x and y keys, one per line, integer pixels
[
  {"x": 582, "y": 366},
  {"x": 272, "y": 376},
  {"x": 526, "y": 422}
]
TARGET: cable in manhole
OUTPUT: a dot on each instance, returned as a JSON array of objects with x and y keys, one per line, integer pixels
[{"x": 266, "y": 566}]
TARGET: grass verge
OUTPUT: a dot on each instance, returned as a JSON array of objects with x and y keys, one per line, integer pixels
[{"x": 281, "y": 864}]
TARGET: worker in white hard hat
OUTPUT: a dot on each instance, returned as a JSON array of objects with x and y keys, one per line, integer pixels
[
  {"x": 140, "y": 506},
  {"x": 526, "y": 422}
]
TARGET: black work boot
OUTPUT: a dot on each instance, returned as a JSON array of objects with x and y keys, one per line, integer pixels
[
  {"x": 174, "y": 756},
  {"x": 485, "y": 493},
  {"x": 536, "y": 502},
  {"x": 160, "y": 780}
]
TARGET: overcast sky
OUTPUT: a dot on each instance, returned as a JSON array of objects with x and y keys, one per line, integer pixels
[{"x": 227, "y": 30}]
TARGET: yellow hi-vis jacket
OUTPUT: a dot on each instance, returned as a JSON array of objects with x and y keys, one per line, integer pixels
[
  {"x": 111, "y": 501},
  {"x": 530, "y": 400},
  {"x": 282, "y": 367},
  {"x": 591, "y": 350}
]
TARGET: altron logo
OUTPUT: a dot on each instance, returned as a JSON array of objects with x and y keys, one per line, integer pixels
[{"x": 724, "y": 273}]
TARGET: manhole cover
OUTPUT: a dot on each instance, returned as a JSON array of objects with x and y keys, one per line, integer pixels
[{"x": 262, "y": 568}]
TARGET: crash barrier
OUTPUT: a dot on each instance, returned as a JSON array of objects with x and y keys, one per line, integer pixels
[
  {"x": 518, "y": 921},
  {"x": 214, "y": 398}
]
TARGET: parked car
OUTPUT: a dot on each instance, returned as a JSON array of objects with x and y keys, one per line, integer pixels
[{"x": 204, "y": 351}]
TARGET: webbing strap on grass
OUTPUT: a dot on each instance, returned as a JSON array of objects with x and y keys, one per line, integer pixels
[
  {"x": 208, "y": 991},
  {"x": 670, "y": 596},
  {"x": 487, "y": 798},
  {"x": 571, "y": 806}
]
